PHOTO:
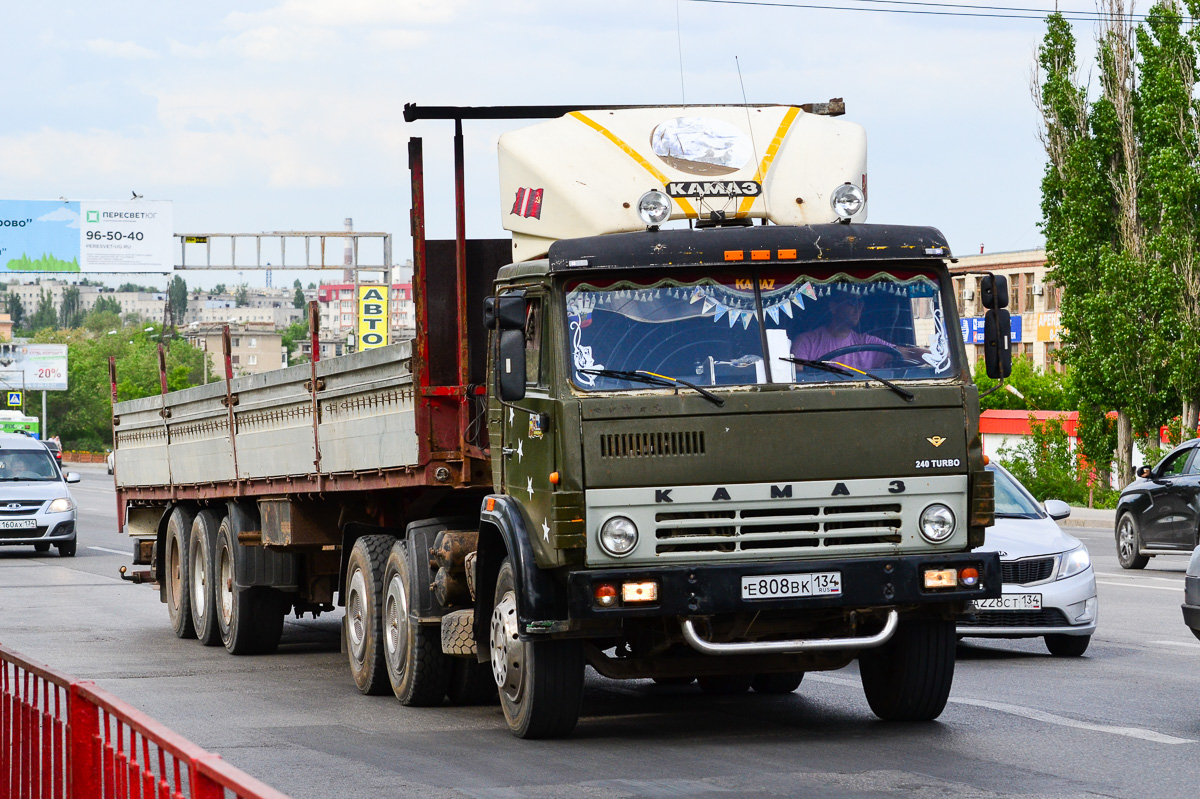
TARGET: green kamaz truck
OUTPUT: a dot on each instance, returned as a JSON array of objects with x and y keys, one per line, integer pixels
[{"x": 695, "y": 422}]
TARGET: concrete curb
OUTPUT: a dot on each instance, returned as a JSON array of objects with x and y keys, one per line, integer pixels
[{"x": 1100, "y": 518}]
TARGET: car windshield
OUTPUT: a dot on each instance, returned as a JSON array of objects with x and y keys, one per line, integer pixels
[
  {"x": 1012, "y": 500},
  {"x": 716, "y": 330},
  {"x": 27, "y": 465}
]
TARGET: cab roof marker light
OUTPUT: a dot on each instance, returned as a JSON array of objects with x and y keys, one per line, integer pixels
[
  {"x": 847, "y": 200},
  {"x": 654, "y": 207}
]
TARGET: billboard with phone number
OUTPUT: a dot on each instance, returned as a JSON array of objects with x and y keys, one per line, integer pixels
[{"x": 86, "y": 236}]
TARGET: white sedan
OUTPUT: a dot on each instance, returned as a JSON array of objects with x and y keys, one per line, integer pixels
[{"x": 1049, "y": 587}]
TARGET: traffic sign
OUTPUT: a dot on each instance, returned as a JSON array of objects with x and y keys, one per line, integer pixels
[{"x": 14, "y": 399}]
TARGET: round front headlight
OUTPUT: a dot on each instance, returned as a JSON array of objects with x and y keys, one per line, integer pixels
[
  {"x": 618, "y": 536},
  {"x": 847, "y": 200},
  {"x": 61, "y": 505},
  {"x": 654, "y": 207},
  {"x": 937, "y": 523}
]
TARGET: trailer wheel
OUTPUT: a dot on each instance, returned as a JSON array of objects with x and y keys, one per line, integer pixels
[
  {"x": 364, "y": 612},
  {"x": 418, "y": 670},
  {"x": 540, "y": 682},
  {"x": 909, "y": 677},
  {"x": 177, "y": 586},
  {"x": 250, "y": 620},
  {"x": 201, "y": 543}
]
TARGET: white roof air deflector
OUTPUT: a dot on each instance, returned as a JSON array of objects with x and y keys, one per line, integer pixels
[{"x": 582, "y": 174}]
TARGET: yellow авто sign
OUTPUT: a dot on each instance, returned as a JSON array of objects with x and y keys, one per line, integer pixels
[{"x": 372, "y": 317}]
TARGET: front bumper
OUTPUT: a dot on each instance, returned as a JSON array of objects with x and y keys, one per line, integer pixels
[
  {"x": 48, "y": 531},
  {"x": 714, "y": 589},
  {"x": 1065, "y": 610},
  {"x": 1191, "y": 602}
]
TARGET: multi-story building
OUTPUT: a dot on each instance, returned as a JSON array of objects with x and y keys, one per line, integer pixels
[
  {"x": 254, "y": 347},
  {"x": 339, "y": 311},
  {"x": 1034, "y": 303}
]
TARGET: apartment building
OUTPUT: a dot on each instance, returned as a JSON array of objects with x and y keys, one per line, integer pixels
[
  {"x": 1034, "y": 303},
  {"x": 254, "y": 347}
]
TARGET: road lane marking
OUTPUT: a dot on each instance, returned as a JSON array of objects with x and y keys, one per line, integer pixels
[
  {"x": 1185, "y": 644},
  {"x": 113, "y": 551},
  {"x": 1039, "y": 715},
  {"x": 1128, "y": 576},
  {"x": 1138, "y": 585},
  {"x": 1063, "y": 721}
]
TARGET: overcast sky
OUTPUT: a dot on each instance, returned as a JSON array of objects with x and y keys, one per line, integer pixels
[{"x": 287, "y": 115}]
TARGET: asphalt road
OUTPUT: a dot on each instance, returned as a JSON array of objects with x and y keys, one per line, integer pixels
[{"x": 1123, "y": 721}]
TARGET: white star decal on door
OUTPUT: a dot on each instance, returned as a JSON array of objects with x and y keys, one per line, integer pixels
[
  {"x": 545, "y": 530},
  {"x": 510, "y": 417},
  {"x": 520, "y": 451},
  {"x": 529, "y": 486}
]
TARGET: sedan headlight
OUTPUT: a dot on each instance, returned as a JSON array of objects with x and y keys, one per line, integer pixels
[
  {"x": 618, "y": 536},
  {"x": 61, "y": 505},
  {"x": 937, "y": 523},
  {"x": 1074, "y": 562}
]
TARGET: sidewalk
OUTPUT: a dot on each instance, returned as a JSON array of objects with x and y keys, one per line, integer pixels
[{"x": 1101, "y": 518}]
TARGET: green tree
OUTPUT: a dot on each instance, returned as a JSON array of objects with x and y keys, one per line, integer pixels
[
  {"x": 45, "y": 316},
  {"x": 293, "y": 335},
  {"x": 1043, "y": 390},
  {"x": 70, "y": 312},
  {"x": 298, "y": 298},
  {"x": 15, "y": 310},
  {"x": 241, "y": 297},
  {"x": 177, "y": 292},
  {"x": 217, "y": 290}
]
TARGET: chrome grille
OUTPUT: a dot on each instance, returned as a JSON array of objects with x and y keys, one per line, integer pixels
[
  {"x": 1030, "y": 570},
  {"x": 652, "y": 445},
  {"x": 20, "y": 507},
  {"x": 802, "y": 528}
]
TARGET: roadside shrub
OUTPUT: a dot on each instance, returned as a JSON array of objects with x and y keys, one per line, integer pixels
[{"x": 1045, "y": 463}]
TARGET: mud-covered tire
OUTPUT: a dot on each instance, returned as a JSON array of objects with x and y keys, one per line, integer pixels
[
  {"x": 726, "y": 684},
  {"x": 249, "y": 620},
  {"x": 784, "y": 682},
  {"x": 1129, "y": 543},
  {"x": 909, "y": 677},
  {"x": 458, "y": 633},
  {"x": 471, "y": 683},
  {"x": 417, "y": 669},
  {"x": 1067, "y": 646},
  {"x": 364, "y": 612},
  {"x": 540, "y": 682},
  {"x": 202, "y": 541},
  {"x": 177, "y": 587}
]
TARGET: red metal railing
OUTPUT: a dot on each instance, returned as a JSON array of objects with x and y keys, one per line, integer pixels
[{"x": 62, "y": 738}]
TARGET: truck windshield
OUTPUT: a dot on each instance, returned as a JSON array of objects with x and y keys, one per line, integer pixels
[{"x": 716, "y": 330}]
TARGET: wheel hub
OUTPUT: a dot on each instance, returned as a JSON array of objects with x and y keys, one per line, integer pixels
[
  {"x": 395, "y": 618},
  {"x": 508, "y": 653},
  {"x": 356, "y": 611},
  {"x": 199, "y": 573},
  {"x": 225, "y": 587}
]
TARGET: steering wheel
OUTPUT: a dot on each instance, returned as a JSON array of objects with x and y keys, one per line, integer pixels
[{"x": 897, "y": 357}]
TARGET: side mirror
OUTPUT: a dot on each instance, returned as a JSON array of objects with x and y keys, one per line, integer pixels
[
  {"x": 73, "y": 477},
  {"x": 1144, "y": 472},
  {"x": 997, "y": 343},
  {"x": 510, "y": 365},
  {"x": 1057, "y": 509},
  {"x": 506, "y": 312},
  {"x": 993, "y": 291}
]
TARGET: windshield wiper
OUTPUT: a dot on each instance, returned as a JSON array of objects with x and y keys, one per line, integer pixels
[
  {"x": 653, "y": 379},
  {"x": 849, "y": 371}
]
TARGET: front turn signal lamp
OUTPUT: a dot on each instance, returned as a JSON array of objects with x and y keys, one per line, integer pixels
[
  {"x": 639, "y": 592},
  {"x": 941, "y": 578},
  {"x": 606, "y": 595}
]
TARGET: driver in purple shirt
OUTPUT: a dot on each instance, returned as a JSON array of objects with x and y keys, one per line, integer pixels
[{"x": 845, "y": 311}]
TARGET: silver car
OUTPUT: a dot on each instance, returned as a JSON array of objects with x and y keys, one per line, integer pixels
[
  {"x": 35, "y": 506},
  {"x": 1049, "y": 587},
  {"x": 1191, "y": 594}
]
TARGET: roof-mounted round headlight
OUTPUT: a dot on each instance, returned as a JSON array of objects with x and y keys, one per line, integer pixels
[
  {"x": 654, "y": 207},
  {"x": 847, "y": 200}
]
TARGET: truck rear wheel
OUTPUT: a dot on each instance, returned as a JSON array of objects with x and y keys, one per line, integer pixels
[
  {"x": 177, "y": 588},
  {"x": 249, "y": 620},
  {"x": 364, "y": 612},
  {"x": 201, "y": 541},
  {"x": 909, "y": 677},
  {"x": 540, "y": 682},
  {"x": 417, "y": 669}
]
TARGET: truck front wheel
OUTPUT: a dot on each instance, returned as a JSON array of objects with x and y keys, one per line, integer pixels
[
  {"x": 909, "y": 677},
  {"x": 364, "y": 612},
  {"x": 540, "y": 682},
  {"x": 417, "y": 669}
]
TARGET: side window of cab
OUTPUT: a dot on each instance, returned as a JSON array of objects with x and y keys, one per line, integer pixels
[{"x": 534, "y": 333}]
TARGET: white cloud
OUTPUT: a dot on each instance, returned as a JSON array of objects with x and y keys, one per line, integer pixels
[
  {"x": 61, "y": 214},
  {"x": 127, "y": 50}
]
